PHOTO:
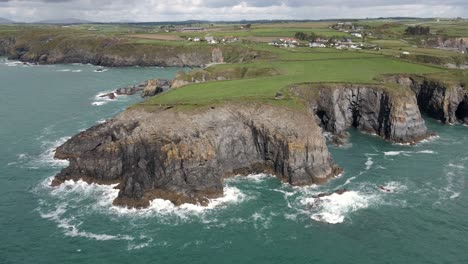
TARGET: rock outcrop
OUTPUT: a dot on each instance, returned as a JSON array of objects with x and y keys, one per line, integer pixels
[
  {"x": 372, "y": 109},
  {"x": 156, "y": 86},
  {"x": 445, "y": 102},
  {"x": 448, "y": 104},
  {"x": 184, "y": 157}
]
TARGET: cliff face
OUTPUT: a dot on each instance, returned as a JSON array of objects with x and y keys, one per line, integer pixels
[
  {"x": 115, "y": 52},
  {"x": 184, "y": 157},
  {"x": 369, "y": 109},
  {"x": 448, "y": 104}
]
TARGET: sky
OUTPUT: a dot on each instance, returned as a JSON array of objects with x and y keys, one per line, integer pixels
[{"x": 225, "y": 10}]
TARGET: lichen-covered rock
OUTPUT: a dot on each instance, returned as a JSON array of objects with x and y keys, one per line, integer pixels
[{"x": 184, "y": 157}]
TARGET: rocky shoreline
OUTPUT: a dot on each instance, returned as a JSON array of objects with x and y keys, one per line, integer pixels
[
  {"x": 184, "y": 156},
  {"x": 117, "y": 52}
]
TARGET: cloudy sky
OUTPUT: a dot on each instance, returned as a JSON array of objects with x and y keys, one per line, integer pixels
[{"x": 174, "y": 10}]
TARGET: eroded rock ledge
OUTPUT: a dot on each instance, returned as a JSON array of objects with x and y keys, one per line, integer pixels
[
  {"x": 391, "y": 114},
  {"x": 184, "y": 157}
]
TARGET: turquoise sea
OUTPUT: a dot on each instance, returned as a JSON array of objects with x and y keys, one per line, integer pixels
[{"x": 260, "y": 220}]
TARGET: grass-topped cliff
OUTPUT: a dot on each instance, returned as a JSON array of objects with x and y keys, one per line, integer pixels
[{"x": 295, "y": 66}]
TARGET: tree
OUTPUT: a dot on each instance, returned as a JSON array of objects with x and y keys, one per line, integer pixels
[
  {"x": 248, "y": 26},
  {"x": 300, "y": 35},
  {"x": 418, "y": 30}
]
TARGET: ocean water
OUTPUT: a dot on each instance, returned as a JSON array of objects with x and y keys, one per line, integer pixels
[{"x": 423, "y": 219}]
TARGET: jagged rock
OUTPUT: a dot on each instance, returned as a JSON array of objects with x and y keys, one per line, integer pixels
[
  {"x": 109, "y": 95},
  {"x": 129, "y": 90},
  {"x": 339, "y": 192},
  {"x": 184, "y": 157},
  {"x": 370, "y": 109},
  {"x": 441, "y": 101},
  {"x": 156, "y": 86}
]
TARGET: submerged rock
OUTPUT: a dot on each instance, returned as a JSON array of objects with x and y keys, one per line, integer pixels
[
  {"x": 109, "y": 95},
  {"x": 184, "y": 157}
]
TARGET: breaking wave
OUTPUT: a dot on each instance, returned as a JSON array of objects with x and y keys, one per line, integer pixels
[
  {"x": 335, "y": 208},
  {"x": 408, "y": 153}
]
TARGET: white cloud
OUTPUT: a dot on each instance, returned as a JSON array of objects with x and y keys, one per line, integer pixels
[{"x": 157, "y": 10}]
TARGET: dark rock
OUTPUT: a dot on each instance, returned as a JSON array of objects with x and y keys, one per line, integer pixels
[
  {"x": 109, "y": 95},
  {"x": 370, "y": 109},
  {"x": 321, "y": 195},
  {"x": 184, "y": 157}
]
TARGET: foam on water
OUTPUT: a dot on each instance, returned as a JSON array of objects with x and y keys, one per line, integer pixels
[
  {"x": 13, "y": 63},
  {"x": 46, "y": 158},
  {"x": 99, "y": 100},
  {"x": 105, "y": 195},
  {"x": 257, "y": 178},
  {"x": 408, "y": 153},
  {"x": 334, "y": 209},
  {"x": 70, "y": 226},
  {"x": 395, "y": 187},
  {"x": 99, "y": 103},
  {"x": 232, "y": 195},
  {"x": 369, "y": 163},
  {"x": 455, "y": 177}
]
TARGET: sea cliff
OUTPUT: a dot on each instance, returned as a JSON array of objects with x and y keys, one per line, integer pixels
[{"x": 184, "y": 156}]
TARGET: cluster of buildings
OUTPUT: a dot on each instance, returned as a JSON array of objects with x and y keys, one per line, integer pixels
[
  {"x": 213, "y": 40},
  {"x": 349, "y": 27},
  {"x": 285, "y": 42},
  {"x": 345, "y": 43}
]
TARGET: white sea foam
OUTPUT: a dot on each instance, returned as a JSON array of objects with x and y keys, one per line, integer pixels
[
  {"x": 395, "y": 187},
  {"x": 99, "y": 103},
  {"x": 257, "y": 178},
  {"x": 101, "y": 121},
  {"x": 429, "y": 139},
  {"x": 369, "y": 163},
  {"x": 335, "y": 208},
  {"x": 47, "y": 157},
  {"x": 427, "y": 152},
  {"x": 392, "y": 153},
  {"x": 348, "y": 181},
  {"x": 408, "y": 153},
  {"x": 76, "y": 70},
  {"x": 64, "y": 70},
  {"x": 107, "y": 194},
  {"x": 70, "y": 228},
  {"x": 13, "y": 63},
  {"x": 458, "y": 166},
  {"x": 101, "y": 99}
]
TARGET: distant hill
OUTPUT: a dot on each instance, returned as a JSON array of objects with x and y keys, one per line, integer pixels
[
  {"x": 64, "y": 21},
  {"x": 5, "y": 21}
]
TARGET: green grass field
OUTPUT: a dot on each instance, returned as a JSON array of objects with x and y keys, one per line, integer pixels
[{"x": 310, "y": 67}]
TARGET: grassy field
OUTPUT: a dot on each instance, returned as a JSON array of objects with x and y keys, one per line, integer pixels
[{"x": 312, "y": 67}]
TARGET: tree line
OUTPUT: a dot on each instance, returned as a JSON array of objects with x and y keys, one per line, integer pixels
[{"x": 418, "y": 30}]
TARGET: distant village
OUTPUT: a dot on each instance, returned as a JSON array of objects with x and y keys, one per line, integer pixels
[{"x": 353, "y": 42}]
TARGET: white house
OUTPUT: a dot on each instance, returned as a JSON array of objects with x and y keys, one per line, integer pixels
[{"x": 317, "y": 45}]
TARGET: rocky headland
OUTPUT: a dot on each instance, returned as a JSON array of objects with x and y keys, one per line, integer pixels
[{"x": 184, "y": 156}]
